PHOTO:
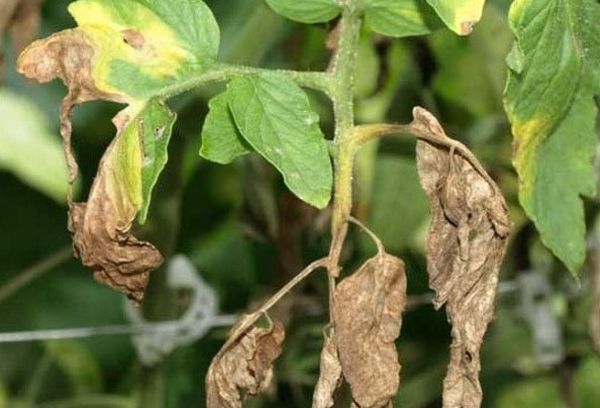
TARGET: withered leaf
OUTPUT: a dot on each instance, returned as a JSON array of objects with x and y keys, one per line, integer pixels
[
  {"x": 22, "y": 19},
  {"x": 465, "y": 248},
  {"x": 67, "y": 55},
  {"x": 245, "y": 368},
  {"x": 330, "y": 374},
  {"x": 101, "y": 227},
  {"x": 368, "y": 317}
]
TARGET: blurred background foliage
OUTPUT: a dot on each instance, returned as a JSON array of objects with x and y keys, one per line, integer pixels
[{"x": 247, "y": 235}]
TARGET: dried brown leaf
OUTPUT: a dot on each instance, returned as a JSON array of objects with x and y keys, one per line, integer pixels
[
  {"x": 101, "y": 231},
  {"x": 465, "y": 248},
  {"x": 22, "y": 19},
  {"x": 330, "y": 374},
  {"x": 67, "y": 55},
  {"x": 368, "y": 317},
  {"x": 243, "y": 368}
]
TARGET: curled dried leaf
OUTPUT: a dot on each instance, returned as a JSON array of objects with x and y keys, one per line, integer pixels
[
  {"x": 368, "y": 317},
  {"x": 22, "y": 19},
  {"x": 465, "y": 248},
  {"x": 330, "y": 374},
  {"x": 244, "y": 367},
  {"x": 101, "y": 227}
]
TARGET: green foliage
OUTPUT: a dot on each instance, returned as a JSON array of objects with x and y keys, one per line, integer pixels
[
  {"x": 221, "y": 139},
  {"x": 28, "y": 147},
  {"x": 274, "y": 116},
  {"x": 549, "y": 100},
  {"x": 400, "y": 18},
  {"x": 77, "y": 363},
  {"x": 459, "y": 15},
  {"x": 155, "y": 123},
  {"x": 307, "y": 11}
]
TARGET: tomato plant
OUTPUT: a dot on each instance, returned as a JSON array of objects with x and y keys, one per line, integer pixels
[{"x": 150, "y": 55}]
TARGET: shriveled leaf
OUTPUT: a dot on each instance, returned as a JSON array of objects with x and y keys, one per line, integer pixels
[
  {"x": 330, "y": 375},
  {"x": 29, "y": 149},
  {"x": 22, "y": 19},
  {"x": 400, "y": 18},
  {"x": 465, "y": 248},
  {"x": 306, "y": 11},
  {"x": 245, "y": 368},
  {"x": 123, "y": 185},
  {"x": 221, "y": 139},
  {"x": 552, "y": 79},
  {"x": 459, "y": 15},
  {"x": 368, "y": 317},
  {"x": 274, "y": 116}
]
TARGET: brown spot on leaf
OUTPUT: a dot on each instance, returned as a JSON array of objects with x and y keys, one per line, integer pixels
[
  {"x": 465, "y": 248},
  {"x": 330, "y": 374},
  {"x": 466, "y": 27},
  {"x": 133, "y": 38},
  {"x": 22, "y": 19},
  {"x": 244, "y": 368},
  {"x": 368, "y": 317}
]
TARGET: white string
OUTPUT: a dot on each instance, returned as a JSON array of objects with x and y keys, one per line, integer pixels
[{"x": 114, "y": 330}]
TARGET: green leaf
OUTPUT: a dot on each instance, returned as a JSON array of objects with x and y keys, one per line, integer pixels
[
  {"x": 400, "y": 18},
  {"x": 155, "y": 123},
  {"x": 459, "y": 15},
  {"x": 586, "y": 382},
  {"x": 306, "y": 11},
  {"x": 274, "y": 116},
  {"x": 143, "y": 46},
  {"x": 550, "y": 104},
  {"x": 78, "y": 365},
  {"x": 396, "y": 179},
  {"x": 29, "y": 149},
  {"x": 542, "y": 392},
  {"x": 221, "y": 139}
]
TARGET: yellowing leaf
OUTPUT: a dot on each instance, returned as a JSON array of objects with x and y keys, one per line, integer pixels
[
  {"x": 459, "y": 15},
  {"x": 549, "y": 99}
]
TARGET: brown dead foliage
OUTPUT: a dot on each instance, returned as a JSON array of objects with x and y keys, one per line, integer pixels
[
  {"x": 102, "y": 237},
  {"x": 330, "y": 374},
  {"x": 22, "y": 19},
  {"x": 244, "y": 367},
  {"x": 67, "y": 55},
  {"x": 368, "y": 317},
  {"x": 465, "y": 248}
]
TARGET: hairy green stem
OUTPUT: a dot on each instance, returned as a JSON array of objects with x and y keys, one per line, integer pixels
[
  {"x": 343, "y": 68},
  {"x": 222, "y": 72}
]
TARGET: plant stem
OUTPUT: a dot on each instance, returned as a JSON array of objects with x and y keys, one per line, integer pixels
[
  {"x": 343, "y": 69},
  {"x": 222, "y": 72}
]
